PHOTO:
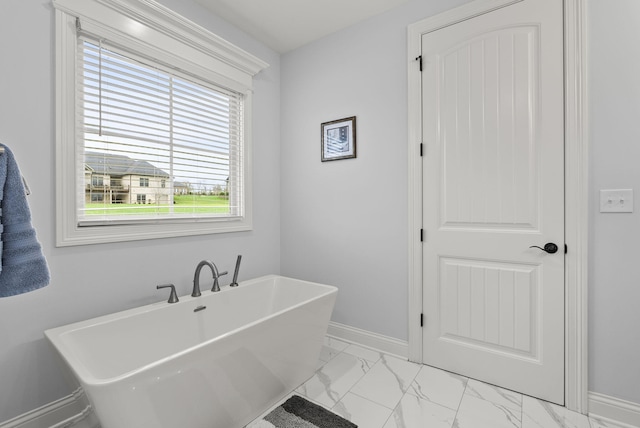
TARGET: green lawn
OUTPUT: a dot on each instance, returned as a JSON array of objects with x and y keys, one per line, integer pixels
[{"x": 184, "y": 204}]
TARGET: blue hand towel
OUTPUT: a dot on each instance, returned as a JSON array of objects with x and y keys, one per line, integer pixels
[{"x": 23, "y": 267}]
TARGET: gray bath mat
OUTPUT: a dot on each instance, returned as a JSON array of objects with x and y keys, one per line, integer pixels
[{"x": 297, "y": 412}]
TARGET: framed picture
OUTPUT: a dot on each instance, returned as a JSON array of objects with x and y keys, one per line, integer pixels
[{"x": 339, "y": 139}]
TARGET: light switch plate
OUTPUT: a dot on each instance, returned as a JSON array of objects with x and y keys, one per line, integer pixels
[{"x": 616, "y": 201}]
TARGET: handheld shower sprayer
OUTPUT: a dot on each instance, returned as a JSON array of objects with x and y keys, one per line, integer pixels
[{"x": 234, "y": 283}]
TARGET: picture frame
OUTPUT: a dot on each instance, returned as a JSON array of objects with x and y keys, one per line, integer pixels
[{"x": 338, "y": 139}]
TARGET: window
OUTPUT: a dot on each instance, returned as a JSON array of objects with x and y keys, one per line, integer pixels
[
  {"x": 141, "y": 120},
  {"x": 97, "y": 180},
  {"x": 140, "y": 107}
]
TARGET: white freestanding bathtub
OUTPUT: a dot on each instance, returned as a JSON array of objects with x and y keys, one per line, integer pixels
[{"x": 215, "y": 361}]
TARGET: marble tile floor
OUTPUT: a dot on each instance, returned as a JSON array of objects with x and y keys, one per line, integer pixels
[{"x": 377, "y": 390}]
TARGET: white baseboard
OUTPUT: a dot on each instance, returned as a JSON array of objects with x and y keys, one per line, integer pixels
[
  {"x": 73, "y": 410},
  {"x": 610, "y": 409},
  {"x": 382, "y": 343}
]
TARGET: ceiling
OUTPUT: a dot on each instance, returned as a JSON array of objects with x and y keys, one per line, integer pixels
[{"x": 284, "y": 25}]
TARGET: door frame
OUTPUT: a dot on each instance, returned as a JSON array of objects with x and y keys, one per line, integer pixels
[{"x": 576, "y": 185}]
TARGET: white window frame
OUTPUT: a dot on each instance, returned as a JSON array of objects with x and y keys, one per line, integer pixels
[{"x": 149, "y": 28}]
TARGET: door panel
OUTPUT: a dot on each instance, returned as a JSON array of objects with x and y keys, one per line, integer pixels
[
  {"x": 493, "y": 174},
  {"x": 490, "y": 306},
  {"x": 487, "y": 183}
]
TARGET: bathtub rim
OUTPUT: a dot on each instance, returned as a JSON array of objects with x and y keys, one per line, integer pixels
[{"x": 56, "y": 335}]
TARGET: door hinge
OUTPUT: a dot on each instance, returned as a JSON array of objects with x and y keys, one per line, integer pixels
[
  {"x": 421, "y": 320},
  {"x": 419, "y": 59},
  {"x": 565, "y": 248},
  {"x": 421, "y": 149},
  {"x": 421, "y": 235}
]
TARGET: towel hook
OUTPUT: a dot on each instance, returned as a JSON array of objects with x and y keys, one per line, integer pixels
[{"x": 27, "y": 191}]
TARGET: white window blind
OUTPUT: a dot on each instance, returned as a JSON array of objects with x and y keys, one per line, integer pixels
[{"x": 156, "y": 144}]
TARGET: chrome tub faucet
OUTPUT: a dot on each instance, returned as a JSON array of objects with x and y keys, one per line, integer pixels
[{"x": 196, "y": 277}]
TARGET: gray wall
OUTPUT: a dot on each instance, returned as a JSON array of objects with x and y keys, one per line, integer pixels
[
  {"x": 345, "y": 222},
  {"x": 93, "y": 280},
  {"x": 614, "y": 277}
]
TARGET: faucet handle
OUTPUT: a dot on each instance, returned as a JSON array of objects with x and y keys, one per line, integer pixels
[
  {"x": 173, "y": 297},
  {"x": 216, "y": 284}
]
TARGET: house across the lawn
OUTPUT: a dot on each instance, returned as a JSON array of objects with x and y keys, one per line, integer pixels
[
  {"x": 118, "y": 179},
  {"x": 181, "y": 188}
]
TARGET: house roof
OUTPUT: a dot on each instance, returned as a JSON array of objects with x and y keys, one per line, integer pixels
[{"x": 120, "y": 165}]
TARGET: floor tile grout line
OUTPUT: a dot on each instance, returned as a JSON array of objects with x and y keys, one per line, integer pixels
[
  {"x": 382, "y": 354},
  {"x": 370, "y": 400},
  {"x": 591, "y": 422},
  {"x": 334, "y": 352},
  {"x": 393, "y": 412},
  {"x": 350, "y": 391},
  {"x": 522, "y": 411},
  {"x": 356, "y": 382},
  {"x": 455, "y": 418},
  {"x": 378, "y": 404}
]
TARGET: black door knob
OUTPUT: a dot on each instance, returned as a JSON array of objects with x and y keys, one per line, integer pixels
[{"x": 549, "y": 247}]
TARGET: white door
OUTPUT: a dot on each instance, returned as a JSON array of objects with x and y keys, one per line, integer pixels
[{"x": 493, "y": 171}]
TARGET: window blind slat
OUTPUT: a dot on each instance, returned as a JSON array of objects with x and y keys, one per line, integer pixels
[{"x": 156, "y": 145}]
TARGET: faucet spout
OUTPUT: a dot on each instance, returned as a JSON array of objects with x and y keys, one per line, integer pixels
[{"x": 196, "y": 276}]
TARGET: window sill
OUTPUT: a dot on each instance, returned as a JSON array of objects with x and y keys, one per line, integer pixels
[{"x": 71, "y": 234}]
